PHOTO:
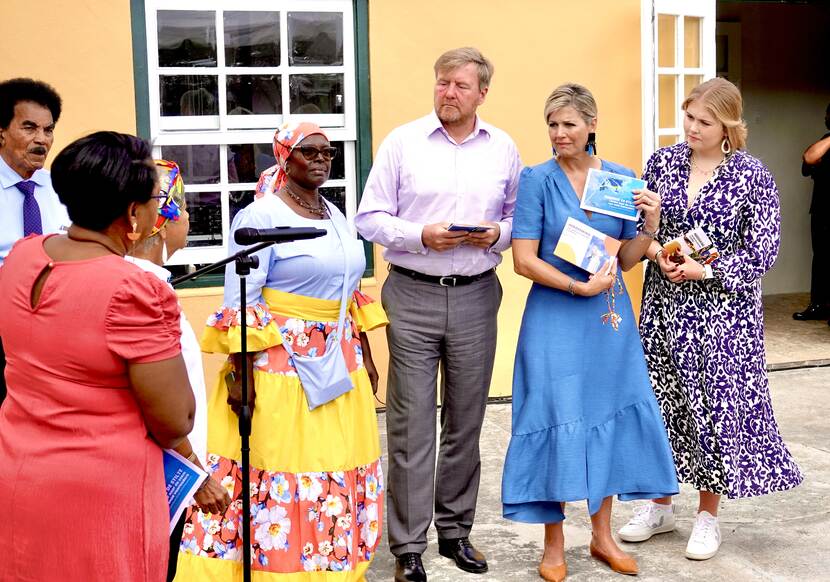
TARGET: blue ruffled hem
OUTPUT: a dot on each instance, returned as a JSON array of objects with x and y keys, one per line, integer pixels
[{"x": 627, "y": 455}]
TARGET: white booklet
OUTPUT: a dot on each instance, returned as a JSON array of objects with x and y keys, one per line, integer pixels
[
  {"x": 181, "y": 480},
  {"x": 695, "y": 244},
  {"x": 611, "y": 194},
  {"x": 585, "y": 247}
]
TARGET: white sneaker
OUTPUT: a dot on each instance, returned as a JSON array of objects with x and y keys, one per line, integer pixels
[
  {"x": 705, "y": 539},
  {"x": 649, "y": 519}
]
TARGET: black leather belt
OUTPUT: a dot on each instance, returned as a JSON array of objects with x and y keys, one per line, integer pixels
[{"x": 446, "y": 280}]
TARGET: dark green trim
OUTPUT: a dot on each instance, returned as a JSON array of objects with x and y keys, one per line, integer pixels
[
  {"x": 208, "y": 280},
  {"x": 141, "y": 83},
  {"x": 363, "y": 148}
]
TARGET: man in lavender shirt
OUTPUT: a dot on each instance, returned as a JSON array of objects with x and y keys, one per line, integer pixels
[{"x": 442, "y": 296}]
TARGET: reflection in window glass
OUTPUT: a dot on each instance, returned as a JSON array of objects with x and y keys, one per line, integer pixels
[
  {"x": 188, "y": 95},
  {"x": 199, "y": 163},
  {"x": 254, "y": 94},
  {"x": 186, "y": 38},
  {"x": 335, "y": 195},
  {"x": 239, "y": 200},
  {"x": 338, "y": 163},
  {"x": 315, "y": 38},
  {"x": 205, "y": 211},
  {"x": 249, "y": 161},
  {"x": 314, "y": 94},
  {"x": 252, "y": 39}
]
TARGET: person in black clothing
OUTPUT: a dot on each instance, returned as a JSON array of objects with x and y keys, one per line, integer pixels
[{"x": 816, "y": 164}]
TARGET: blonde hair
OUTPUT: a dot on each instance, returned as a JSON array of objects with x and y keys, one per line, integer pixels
[
  {"x": 723, "y": 100},
  {"x": 572, "y": 95},
  {"x": 459, "y": 57}
]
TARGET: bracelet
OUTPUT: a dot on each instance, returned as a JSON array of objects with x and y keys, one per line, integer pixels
[
  {"x": 571, "y": 287},
  {"x": 658, "y": 253},
  {"x": 649, "y": 233}
]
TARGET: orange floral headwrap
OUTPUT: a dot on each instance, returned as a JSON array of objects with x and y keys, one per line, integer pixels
[{"x": 286, "y": 138}]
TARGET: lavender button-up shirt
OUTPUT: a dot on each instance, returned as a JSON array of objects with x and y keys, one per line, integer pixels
[{"x": 421, "y": 176}]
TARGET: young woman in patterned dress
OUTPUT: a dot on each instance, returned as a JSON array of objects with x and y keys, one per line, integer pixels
[{"x": 702, "y": 327}]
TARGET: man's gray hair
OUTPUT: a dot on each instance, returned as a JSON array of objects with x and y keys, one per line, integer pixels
[{"x": 459, "y": 57}]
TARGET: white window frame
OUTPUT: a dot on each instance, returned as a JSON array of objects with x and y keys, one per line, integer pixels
[
  {"x": 650, "y": 9},
  {"x": 223, "y": 130}
]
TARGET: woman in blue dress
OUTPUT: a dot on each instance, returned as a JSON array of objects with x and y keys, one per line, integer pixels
[{"x": 586, "y": 424}]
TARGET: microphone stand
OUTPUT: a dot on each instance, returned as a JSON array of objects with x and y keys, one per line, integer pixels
[{"x": 244, "y": 263}]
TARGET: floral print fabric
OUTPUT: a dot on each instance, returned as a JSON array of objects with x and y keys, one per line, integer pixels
[{"x": 322, "y": 521}]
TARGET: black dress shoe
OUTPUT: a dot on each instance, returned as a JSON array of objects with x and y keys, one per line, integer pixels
[
  {"x": 466, "y": 557},
  {"x": 813, "y": 311},
  {"x": 409, "y": 568}
]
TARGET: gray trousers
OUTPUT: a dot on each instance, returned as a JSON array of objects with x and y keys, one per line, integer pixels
[{"x": 432, "y": 326}]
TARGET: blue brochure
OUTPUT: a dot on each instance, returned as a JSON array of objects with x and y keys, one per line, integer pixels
[
  {"x": 181, "y": 479},
  {"x": 610, "y": 193}
]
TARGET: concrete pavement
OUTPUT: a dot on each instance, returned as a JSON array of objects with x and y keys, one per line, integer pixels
[{"x": 780, "y": 537}]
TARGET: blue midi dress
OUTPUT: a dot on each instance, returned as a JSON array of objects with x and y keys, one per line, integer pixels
[{"x": 586, "y": 424}]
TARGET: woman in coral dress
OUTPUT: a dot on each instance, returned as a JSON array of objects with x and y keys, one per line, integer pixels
[
  {"x": 96, "y": 381},
  {"x": 316, "y": 478}
]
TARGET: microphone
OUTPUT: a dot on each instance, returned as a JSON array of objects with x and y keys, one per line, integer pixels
[{"x": 280, "y": 234}]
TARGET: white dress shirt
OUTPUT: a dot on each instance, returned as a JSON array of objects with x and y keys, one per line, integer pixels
[{"x": 53, "y": 214}]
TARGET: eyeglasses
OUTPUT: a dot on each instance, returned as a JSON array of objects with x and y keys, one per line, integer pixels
[{"x": 311, "y": 152}]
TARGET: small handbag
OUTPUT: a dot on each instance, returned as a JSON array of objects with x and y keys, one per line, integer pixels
[{"x": 324, "y": 378}]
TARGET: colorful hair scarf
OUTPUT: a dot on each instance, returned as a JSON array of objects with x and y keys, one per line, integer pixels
[
  {"x": 172, "y": 189},
  {"x": 286, "y": 138}
]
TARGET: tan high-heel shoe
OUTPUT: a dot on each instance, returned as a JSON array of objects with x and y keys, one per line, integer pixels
[
  {"x": 626, "y": 565},
  {"x": 553, "y": 573}
]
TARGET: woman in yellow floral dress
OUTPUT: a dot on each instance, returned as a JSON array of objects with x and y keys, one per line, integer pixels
[{"x": 316, "y": 479}]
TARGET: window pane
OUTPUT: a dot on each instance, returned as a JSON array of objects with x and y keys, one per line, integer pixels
[
  {"x": 690, "y": 82},
  {"x": 254, "y": 94},
  {"x": 199, "y": 163},
  {"x": 239, "y": 200},
  {"x": 187, "y": 38},
  {"x": 315, "y": 38},
  {"x": 205, "y": 210},
  {"x": 338, "y": 163},
  {"x": 665, "y": 40},
  {"x": 252, "y": 39},
  {"x": 691, "y": 42},
  {"x": 668, "y": 101},
  {"x": 316, "y": 93},
  {"x": 188, "y": 95},
  {"x": 248, "y": 161},
  {"x": 336, "y": 196},
  {"x": 667, "y": 140}
]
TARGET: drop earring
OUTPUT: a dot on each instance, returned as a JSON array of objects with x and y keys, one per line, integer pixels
[
  {"x": 555, "y": 153},
  {"x": 591, "y": 146},
  {"x": 725, "y": 146},
  {"x": 164, "y": 255},
  {"x": 134, "y": 235}
]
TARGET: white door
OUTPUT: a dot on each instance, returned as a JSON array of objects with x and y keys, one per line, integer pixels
[{"x": 678, "y": 50}]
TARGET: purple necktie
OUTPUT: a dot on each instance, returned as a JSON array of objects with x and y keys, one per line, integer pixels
[{"x": 31, "y": 210}]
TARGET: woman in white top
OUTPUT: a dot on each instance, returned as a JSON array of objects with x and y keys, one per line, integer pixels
[{"x": 170, "y": 235}]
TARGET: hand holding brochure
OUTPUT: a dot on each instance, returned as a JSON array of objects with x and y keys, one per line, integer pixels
[
  {"x": 181, "y": 480},
  {"x": 585, "y": 247},
  {"x": 611, "y": 194},
  {"x": 694, "y": 244}
]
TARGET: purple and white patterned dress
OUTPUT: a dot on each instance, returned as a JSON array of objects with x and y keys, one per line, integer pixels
[{"x": 704, "y": 340}]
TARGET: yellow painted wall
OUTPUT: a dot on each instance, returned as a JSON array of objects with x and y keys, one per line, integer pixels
[
  {"x": 81, "y": 47},
  {"x": 535, "y": 45},
  {"x": 84, "y": 49}
]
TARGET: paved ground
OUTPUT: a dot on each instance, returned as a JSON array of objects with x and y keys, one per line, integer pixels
[
  {"x": 780, "y": 537},
  {"x": 791, "y": 342}
]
